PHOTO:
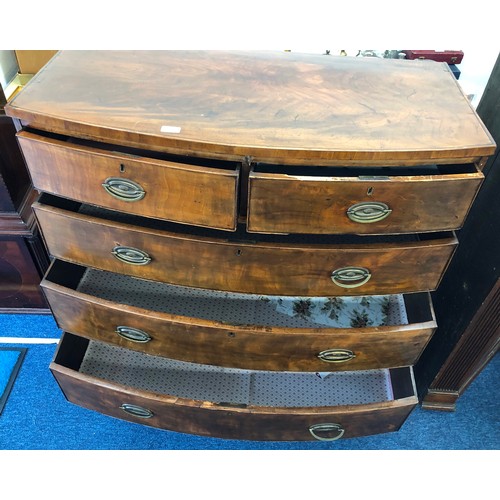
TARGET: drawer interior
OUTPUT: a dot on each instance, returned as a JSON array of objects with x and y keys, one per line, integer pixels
[
  {"x": 139, "y": 153},
  {"x": 243, "y": 309},
  {"x": 231, "y": 386},
  {"x": 368, "y": 173}
]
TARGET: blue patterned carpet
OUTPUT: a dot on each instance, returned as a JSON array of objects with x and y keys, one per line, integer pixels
[{"x": 37, "y": 417}]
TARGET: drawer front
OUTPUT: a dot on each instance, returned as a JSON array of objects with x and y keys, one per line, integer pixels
[
  {"x": 143, "y": 186},
  {"x": 263, "y": 268},
  {"x": 225, "y": 419},
  {"x": 243, "y": 346},
  {"x": 206, "y": 419},
  {"x": 287, "y": 204}
]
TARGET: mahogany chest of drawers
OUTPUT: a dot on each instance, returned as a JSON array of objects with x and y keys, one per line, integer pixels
[{"x": 244, "y": 244}]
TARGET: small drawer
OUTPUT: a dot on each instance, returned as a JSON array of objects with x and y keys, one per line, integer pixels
[
  {"x": 231, "y": 403},
  {"x": 240, "y": 330},
  {"x": 107, "y": 176},
  {"x": 388, "y": 200},
  {"x": 268, "y": 264}
]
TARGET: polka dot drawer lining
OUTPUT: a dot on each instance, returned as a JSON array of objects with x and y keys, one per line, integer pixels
[
  {"x": 231, "y": 385},
  {"x": 246, "y": 309}
]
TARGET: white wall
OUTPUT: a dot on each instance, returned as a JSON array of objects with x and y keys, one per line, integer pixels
[
  {"x": 8, "y": 66},
  {"x": 475, "y": 70},
  {"x": 266, "y": 24}
]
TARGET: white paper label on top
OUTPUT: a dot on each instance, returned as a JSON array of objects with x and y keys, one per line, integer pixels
[{"x": 170, "y": 130}]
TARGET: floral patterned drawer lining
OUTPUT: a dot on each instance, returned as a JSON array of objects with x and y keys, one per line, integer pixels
[{"x": 246, "y": 309}]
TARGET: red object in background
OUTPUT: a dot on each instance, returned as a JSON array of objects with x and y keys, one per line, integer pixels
[{"x": 447, "y": 56}]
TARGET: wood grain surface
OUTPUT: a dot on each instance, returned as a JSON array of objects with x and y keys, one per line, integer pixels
[
  {"x": 280, "y": 203},
  {"x": 234, "y": 345},
  {"x": 273, "y": 106},
  {"x": 230, "y": 264},
  {"x": 224, "y": 420},
  {"x": 182, "y": 193}
]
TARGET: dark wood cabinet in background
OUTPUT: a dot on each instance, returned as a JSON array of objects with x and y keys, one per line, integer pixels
[
  {"x": 467, "y": 303},
  {"x": 23, "y": 258}
]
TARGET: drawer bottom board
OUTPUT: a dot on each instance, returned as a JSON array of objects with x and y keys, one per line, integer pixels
[
  {"x": 233, "y": 385},
  {"x": 231, "y": 403}
]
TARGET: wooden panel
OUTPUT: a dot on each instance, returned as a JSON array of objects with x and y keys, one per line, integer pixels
[
  {"x": 241, "y": 346},
  {"x": 31, "y": 61},
  {"x": 19, "y": 279},
  {"x": 277, "y": 107},
  {"x": 259, "y": 267},
  {"x": 224, "y": 420},
  {"x": 468, "y": 322},
  {"x": 12, "y": 168},
  {"x": 477, "y": 345},
  {"x": 280, "y": 203},
  {"x": 173, "y": 191}
]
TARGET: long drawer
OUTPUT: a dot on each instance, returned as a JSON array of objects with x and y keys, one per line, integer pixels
[
  {"x": 361, "y": 201},
  {"x": 152, "y": 187},
  {"x": 322, "y": 265},
  {"x": 239, "y": 330},
  {"x": 229, "y": 403}
]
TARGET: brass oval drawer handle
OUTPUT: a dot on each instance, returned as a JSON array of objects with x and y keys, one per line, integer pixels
[
  {"x": 336, "y": 355},
  {"x": 123, "y": 189},
  {"x": 327, "y": 429},
  {"x": 131, "y": 255},
  {"x": 136, "y": 411},
  {"x": 351, "y": 277},
  {"x": 368, "y": 212},
  {"x": 133, "y": 334}
]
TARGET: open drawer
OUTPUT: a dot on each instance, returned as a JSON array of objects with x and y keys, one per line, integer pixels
[
  {"x": 201, "y": 192},
  {"x": 280, "y": 265},
  {"x": 240, "y": 330},
  {"x": 359, "y": 200},
  {"x": 231, "y": 403}
]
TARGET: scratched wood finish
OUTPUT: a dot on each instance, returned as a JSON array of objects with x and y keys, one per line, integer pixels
[
  {"x": 242, "y": 346},
  {"x": 177, "y": 192},
  {"x": 274, "y": 106},
  {"x": 223, "y": 420},
  {"x": 249, "y": 267},
  {"x": 285, "y": 204}
]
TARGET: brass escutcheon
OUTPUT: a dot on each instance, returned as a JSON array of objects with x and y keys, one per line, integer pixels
[
  {"x": 336, "y": 355},
  {"x": 351, "y": 277},
  {"x": 123, "y": 189},
  {"x": 131, "y": 255},
  {"x": 136, "y": 411},
  {"x": 133, "y": 334},
  {"x": 326, "y": 428},
  {"x": 368, "y": 212}
]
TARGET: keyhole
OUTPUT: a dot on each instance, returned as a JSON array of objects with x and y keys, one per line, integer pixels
[
  {"x": 122, "y": 167},
  {"x": 370, "y": 191}
]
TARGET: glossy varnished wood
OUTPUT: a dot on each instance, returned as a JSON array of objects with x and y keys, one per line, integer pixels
[
  {"x": 183, "y": 193},
  {"x": 276, "y": 107},
  {"x": 280, "y": 203},
  {"x": 215, "y": 139},
  {"x": 240, "y": 346},
  {"x": 262, "y": 267},
  {"x": 224, "y": 420}
]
